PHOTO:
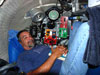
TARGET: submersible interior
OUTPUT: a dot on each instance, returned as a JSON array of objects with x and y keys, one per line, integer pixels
[{"x": 12, "y": 14}]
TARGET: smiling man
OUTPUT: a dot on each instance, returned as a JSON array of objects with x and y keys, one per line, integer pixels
[
  {"x": 26, "y": 39},
  {"x": 35, "y": 59}
]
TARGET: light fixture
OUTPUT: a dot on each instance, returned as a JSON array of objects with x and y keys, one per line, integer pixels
[
  {"x": 1, "y": 2},
  {"x": 37, "y": 15}
]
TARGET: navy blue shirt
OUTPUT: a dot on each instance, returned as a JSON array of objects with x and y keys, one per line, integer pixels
[{"x": 31, "y": 59}]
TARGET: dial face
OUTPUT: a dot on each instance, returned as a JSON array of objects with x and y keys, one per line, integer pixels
[{"x": 53, "y": 15}]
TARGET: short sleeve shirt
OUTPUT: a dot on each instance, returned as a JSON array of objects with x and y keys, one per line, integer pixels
[{"x": 31, "y": 59}]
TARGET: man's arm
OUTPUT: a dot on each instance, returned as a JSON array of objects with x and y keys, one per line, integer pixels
[{"x": 44, "y": 68}]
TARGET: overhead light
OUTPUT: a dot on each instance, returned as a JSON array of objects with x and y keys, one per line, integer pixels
[
  {"x": 37, "y": 15},
  {"x": 1, "y": 2}
]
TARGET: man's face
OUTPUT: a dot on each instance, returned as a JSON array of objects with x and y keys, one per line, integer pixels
[{"x": 26, "y": 40}]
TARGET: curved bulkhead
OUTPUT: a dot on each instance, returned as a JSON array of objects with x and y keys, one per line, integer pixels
[{"x": 12, "y": 14}]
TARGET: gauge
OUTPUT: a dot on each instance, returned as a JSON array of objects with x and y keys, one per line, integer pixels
[{"x": 53, "y": 15}]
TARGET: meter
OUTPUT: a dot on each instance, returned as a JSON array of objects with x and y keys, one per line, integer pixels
[{"x": 53, "y": 13}]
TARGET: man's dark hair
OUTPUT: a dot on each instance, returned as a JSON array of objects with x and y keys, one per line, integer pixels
[{"x": 20, "y": 33}]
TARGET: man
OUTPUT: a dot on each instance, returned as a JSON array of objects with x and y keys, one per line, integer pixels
[
  {"x": 36, "y": 60},
  {"x": 73, "y": 64}
]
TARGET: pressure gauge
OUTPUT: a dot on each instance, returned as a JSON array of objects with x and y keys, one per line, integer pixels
[{"x": 53, "y": 13}]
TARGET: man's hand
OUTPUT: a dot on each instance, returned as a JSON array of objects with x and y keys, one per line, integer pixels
[{"x": 58, "y": 51}]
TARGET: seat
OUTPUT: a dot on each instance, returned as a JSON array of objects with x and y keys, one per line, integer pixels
[
  {"x": 95, "y": 71},
  {"x": 14, "y": 47}
]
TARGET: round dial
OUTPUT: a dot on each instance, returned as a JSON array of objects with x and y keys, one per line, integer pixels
[{"x": 53, "y": 15}]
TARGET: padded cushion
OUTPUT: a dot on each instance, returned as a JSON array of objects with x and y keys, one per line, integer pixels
[
  {"x": 14, "y": 47},
  {"x": 95, "y": 71}
]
